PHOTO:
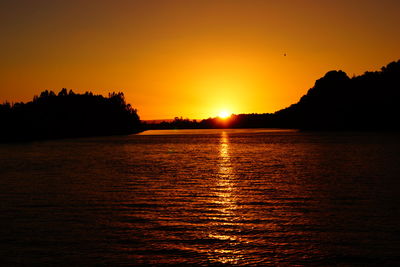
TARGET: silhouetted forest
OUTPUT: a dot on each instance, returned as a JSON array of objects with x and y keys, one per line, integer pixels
[
  {"x": 67, "y": 114},
  {"x": 234, "y": 121},
  {"x": 366, "y": 102},
  {"x": 336, "y": 102}
]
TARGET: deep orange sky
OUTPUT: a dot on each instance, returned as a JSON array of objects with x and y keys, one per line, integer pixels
[{"x": 191, "y": 58}]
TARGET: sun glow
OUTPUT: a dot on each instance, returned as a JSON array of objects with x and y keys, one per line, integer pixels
[{"x": 224, "y": 114}]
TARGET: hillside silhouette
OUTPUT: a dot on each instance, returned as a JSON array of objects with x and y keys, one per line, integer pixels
[
  {"x": 336, "y": 102},
  {"x": 366, "y": 102},
  {"x": 67, "y": 114}
]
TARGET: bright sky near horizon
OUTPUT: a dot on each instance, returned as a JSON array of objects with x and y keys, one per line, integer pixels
[{"x": 191, "y": 58}]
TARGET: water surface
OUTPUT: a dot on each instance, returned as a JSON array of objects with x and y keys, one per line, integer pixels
[{"x": 202, "y": 197}]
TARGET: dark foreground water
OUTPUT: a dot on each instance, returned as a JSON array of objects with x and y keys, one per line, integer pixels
[{"x": 246, "y": 197}]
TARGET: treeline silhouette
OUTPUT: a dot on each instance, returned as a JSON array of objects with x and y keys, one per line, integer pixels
[
  {"x": 67, "y": 114},
  {"x": 366, "y": 102},
  {"x": 234, "y": 121},
  {"x": 336, "y": 102}
]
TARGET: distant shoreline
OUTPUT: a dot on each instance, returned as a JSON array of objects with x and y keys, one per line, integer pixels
[{"x": 369, "y": 102}]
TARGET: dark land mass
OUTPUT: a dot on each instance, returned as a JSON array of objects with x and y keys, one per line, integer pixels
[
  {"x": 65, "y": 115},
  {"x": 336, "y": 102}
]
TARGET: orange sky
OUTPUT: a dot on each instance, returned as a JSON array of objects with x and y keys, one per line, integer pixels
[{"x": 191, "y": 58}]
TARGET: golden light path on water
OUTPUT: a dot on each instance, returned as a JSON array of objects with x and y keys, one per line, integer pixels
[
  {"x": 226, "y": 201},
  {"x": 220, "y": 197}
]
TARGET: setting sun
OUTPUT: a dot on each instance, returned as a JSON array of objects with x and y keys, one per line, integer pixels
[{"x": 224, "y": 114}]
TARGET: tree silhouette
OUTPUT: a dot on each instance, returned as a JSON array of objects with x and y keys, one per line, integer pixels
[
  {"x": 336, "y": 102},
  {"x": 68, "y": 115},
  {"x": 365, "y": 102}
]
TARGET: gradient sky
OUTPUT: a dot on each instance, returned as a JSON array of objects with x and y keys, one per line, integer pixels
[{"x": 191, "y": 58}]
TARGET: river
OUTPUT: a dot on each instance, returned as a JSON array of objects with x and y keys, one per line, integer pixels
[{"x": 202, "y": 197}]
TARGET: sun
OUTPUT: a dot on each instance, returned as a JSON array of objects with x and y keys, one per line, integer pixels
[{"x": 224, "y": 114}]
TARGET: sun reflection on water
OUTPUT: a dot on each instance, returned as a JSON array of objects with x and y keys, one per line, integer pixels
[{"x": 226, "y": 206}]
